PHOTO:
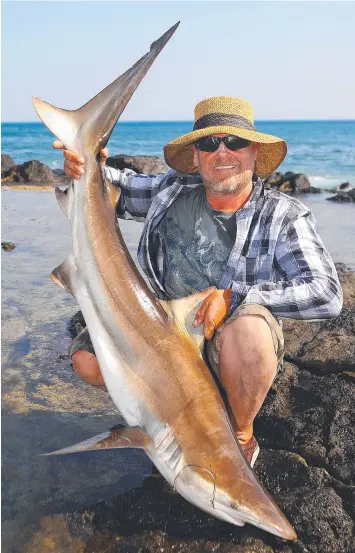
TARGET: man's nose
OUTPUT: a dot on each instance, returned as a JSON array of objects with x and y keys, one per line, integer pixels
[{"x": 222, "y": 148}]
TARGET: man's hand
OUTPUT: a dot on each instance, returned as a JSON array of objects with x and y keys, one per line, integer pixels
[
  {"x": 74, "y": 164},
  {"x": 213, "y": 312}
]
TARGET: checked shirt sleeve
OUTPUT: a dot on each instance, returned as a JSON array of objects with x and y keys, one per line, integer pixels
[
  {"x": 309, "y": 288},
  {"x": 137, "y": 191}
]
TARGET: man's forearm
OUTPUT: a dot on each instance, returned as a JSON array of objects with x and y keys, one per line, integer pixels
[{"x": 301, "y": 298}]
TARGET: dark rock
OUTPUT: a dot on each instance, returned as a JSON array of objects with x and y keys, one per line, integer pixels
[
  {"x": 313, "y": 190},
  {"x": 299, "y": 183},
  {"x": 6, "y": 163},
  {"x": 285, "y": 186},
  {"x": 343, "y": 197},
  {"x": 148, "y": 165},
  {"x": 274, "y": 180},
  {"x": 344, "y": 186},
  {"x": 35, "y": 173},
  {"x": 8, "y": 246},
  {"x": 290, "y": 182},
  {"x": 76, "y": 324}
]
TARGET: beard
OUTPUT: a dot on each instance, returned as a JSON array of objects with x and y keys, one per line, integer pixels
[{"x": 228, "y": 184}]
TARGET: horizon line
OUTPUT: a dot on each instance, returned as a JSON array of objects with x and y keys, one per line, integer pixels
[{"x": 192, "y": 121}]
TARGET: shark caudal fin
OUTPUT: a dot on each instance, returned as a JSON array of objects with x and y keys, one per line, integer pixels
[{"x": 88, "y": 129}]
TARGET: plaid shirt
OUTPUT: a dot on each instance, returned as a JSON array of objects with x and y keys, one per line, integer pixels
[{"x": 278, "y": 259}]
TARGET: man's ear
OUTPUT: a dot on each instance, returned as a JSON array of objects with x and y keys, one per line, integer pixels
[
  {"x": 255, "y": 150},
  {"x": 195, "y": 154}
]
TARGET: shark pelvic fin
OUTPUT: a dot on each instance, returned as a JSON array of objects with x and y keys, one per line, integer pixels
[
  {"x": 183, "y": 312},
  {"x": 64, "y": 274},
  {"x": 89, "y": 128},
  {"x": 63, "y": 200},
  {"x": 117, "y": 437},
  {"x": 113, "y": 193}
]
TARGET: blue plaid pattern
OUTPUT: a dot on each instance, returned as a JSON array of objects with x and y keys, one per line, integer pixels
[{"x": 278, "y": 259}]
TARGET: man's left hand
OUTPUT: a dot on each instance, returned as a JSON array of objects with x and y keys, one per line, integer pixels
[{"x": 213, "y": 311}]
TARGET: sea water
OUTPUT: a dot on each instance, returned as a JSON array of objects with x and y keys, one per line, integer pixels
[{"x": 324, "y": 150}]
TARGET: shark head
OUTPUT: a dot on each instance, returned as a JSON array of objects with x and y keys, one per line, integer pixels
[{"x": 244, "y": 500}]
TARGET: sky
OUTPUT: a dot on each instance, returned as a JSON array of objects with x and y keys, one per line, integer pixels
[{"x": 291, "y": 60}]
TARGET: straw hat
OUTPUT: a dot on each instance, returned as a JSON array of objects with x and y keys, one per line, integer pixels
[{"x": 225, "y": 114}]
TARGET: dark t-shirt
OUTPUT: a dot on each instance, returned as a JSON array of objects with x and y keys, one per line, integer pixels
[{"x": 197, "y": 241}]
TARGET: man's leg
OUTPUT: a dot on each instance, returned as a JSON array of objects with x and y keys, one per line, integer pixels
[
  {"x": 247, "y": 368},
  {"x": 87, "y": 368}
]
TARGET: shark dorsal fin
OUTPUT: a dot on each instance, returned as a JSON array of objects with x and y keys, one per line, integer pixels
[{"x": 183, "y": 313}]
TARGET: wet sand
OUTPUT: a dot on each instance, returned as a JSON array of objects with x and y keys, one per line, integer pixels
[{"x": 45, "y": 406}]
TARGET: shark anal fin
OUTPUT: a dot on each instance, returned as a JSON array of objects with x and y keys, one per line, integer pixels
[
  {"x": 184, "y": 311},
  {"x": 64, "y": 274},
  {"x": 63, "y": 200},
  {"x": 118, "y": 437}
]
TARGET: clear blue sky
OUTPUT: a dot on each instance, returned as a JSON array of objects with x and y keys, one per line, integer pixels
[{"x": 292, "y": 60}]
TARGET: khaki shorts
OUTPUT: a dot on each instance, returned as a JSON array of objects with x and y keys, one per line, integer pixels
[{"x": 212, "y": 347}]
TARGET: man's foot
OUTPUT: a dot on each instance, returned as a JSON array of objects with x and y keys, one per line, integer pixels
[{"x": 251, "y": 450}]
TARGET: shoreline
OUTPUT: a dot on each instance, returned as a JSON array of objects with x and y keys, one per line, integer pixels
[{"x": 45, "y": 188}]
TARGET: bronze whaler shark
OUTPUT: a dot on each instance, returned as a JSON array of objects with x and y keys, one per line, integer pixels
[{"x": 151, "y": 364}]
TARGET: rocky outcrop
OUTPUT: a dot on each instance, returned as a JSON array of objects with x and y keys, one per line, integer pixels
[
  {"x": 6, "y": 163},
  {"x": 294, "y": 183},
  {"x": 307, "y": 461},
  {"x": 344, "y": 197},
  {"x": 33, "y": 173},
  {"x": 8, "y": 246},
  {"x": 148, "y": 165}
]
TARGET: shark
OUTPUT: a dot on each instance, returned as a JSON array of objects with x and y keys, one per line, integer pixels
[{"x": 148, "y": 351}]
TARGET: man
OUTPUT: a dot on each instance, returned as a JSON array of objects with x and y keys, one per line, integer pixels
[{"x": 210, "y": 222}]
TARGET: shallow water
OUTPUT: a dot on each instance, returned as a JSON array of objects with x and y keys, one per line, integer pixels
[{"x": 45, "y": 406}]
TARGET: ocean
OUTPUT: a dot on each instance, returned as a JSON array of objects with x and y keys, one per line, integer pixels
[{"x": 324, "y": 150}]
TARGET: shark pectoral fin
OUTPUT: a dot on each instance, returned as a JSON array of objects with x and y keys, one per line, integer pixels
[
  {"x": 63, "y": 200},
  {"x": 64, "y": 274},
  {"x": 184, "y": 311},
  {"x": 118, "y": 437},
  {"x": 113, "y": 193}
]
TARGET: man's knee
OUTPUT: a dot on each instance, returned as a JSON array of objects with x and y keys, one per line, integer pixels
[
  {"x": 87, "y": 368},
  {"x": 250, "y": 337}
]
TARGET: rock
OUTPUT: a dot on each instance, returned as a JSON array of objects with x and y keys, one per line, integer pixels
[
  {"x": 34, "y": 173},
  {"x": 148, "y": 165},
  {"x": 290, "y": 182},
  {"x": 274, "y": 180},
  {"x": 6, "y": 163},
  {"x": 299, "y": 183},
  {"x": 344, "y": 186},
  {"x": 343, "y": 197},
  {"x": 285, "y": 186},
  {"x": 8, "y": 246},
  {"x": 312, "y": 190}
]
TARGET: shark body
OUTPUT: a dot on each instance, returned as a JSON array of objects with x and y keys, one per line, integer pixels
[{"x": 150, "y": 361}]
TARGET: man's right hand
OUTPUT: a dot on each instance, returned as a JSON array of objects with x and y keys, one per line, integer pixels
[{"x": 74, "y": 164}]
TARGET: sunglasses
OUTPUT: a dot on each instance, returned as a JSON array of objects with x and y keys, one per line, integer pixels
[{"x": 211, "y": 143}]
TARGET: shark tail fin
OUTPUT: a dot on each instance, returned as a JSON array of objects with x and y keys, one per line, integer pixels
[{"x": 89, "y": 128}]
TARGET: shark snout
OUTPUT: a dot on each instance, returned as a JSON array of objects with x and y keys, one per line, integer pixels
[{"x": 245, "y": 502}]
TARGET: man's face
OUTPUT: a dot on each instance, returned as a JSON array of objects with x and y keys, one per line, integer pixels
[{"x": 225, "y": 171}]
